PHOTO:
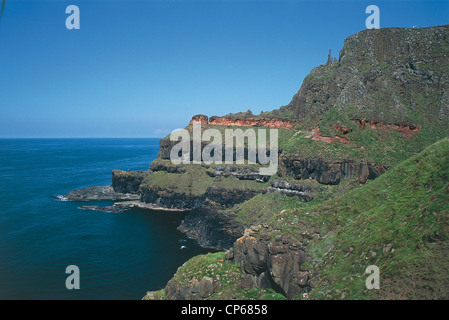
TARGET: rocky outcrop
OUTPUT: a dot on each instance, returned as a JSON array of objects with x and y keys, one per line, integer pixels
[
  {"x": 201, "y": 118},
  {"x": 212, "y": 230},
  {"x": 244, "y": 121},
  {"x": 128, "y": 181},
  {"x": 125, "y": 186},
  {"x": 387, "y": 79},
  {"x": 99, "y": 193},
  {"x": 166, "y": 145},
  {"x": 408, "y": 130},
  {"x": 166, "y": 166},
  {"x": 305, "y": 192},
  {"x": 276, "y": 264},
  {"x": 103, "y": 209},
  {"x": 239, "y": 172},
  {"x": 315, "y": 134},
  {"x": 164, "y": 197},
  {"x": 214, "y": 195},
  {"x": 388, "y": 75},
  {"x": 195, "y": 290},
  {"x": 327, "y": 171}
]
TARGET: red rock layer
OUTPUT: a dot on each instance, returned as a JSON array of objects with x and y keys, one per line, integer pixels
[
  {"x": 315, "y": 134},
  {"x": 406, "y": 129},
  {"x": 199, "y": 117},
  {"x": 244, "y": 122}
]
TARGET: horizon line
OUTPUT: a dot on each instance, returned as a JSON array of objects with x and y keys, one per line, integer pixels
[{"x": 157, "y": 137}]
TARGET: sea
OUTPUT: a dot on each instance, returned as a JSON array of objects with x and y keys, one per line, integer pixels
[{"x": 117, "y": 256}]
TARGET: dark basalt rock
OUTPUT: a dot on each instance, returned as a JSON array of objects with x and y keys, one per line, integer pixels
[
  {"x": 104, "y": 209},
  {"x": 305, "y": 192},
  {"x": 391, "y": 61},
  {"x": 239, "y": 172},
  {"x": 273, "y": 264},
  {"x": 328, "y": 171},
  {"x": 211, "y": 230},
  {"x": 127, "y": 181},
  {"x": 99, "y": 193}
]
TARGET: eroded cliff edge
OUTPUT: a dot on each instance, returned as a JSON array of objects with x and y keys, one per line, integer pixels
[{"x": 383, "y": 101}]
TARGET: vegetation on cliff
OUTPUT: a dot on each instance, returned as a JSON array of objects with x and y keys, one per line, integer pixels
[
  {"x": 311, "y": 230},
  {"x": 211, "y": 276},
  {"x": 398, "y": 222}
]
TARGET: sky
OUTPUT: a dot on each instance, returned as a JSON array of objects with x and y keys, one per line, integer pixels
[{"x": 144, "y": 68}]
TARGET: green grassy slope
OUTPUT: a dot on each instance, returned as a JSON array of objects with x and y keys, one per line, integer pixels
[{"x": 398, "y": 222}]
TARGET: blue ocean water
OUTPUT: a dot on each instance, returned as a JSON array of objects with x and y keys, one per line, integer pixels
[{"x": 119, "y": 255}]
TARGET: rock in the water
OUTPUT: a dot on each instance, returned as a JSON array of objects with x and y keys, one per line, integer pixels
[
  {"x": 105, "y": 209},
  {"x": 99, "y": 193}
]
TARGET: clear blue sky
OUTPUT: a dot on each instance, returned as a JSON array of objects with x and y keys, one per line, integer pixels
[{"x": 143, "y": 68}]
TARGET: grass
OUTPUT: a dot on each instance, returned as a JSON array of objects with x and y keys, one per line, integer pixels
[
  {"x": 332, "y": 117},
  {"x": 322, "y": 73},
  {"x": 387, "y": 147},
  {"x": 226, "y": 276},
  {"x": 399, "y": 222},
  {"x": 194, "y": 182}
]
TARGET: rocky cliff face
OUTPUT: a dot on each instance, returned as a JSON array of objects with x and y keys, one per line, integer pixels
[
  {"x": 203, "y": 190},
  {"x": 274, "y": 264},
  {"x": 128, "y": 182},
  {"x": 244, "y": 121},
  {"x": 214, "y": 195},
  {"x": 391, "y": 75},
  {"x": 212, "y": 230},
  {"x": 328, "y": 171},
  {"x": 386, "y": 94}
]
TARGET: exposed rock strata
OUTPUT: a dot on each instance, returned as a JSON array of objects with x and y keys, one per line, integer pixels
[
  {"x": 386, "y": 75},
  {"x": 212, "y": 230},
  {"x": 276, "y": 264},
  {"x": 166, "y": 145},
  {"x": 327, "y": 171},
  {"x": 315, "y": 134},
  {"x": 223, "y": 197},
  {"x": 195, "y": 290},
  {"x": 239, "y": 172},
  {"x": 408, "y": 130},
  {"x": 244, "y": 121},
  {"x": 128, "y": 181},
  {"x": 303, "y": 191},
  {"x": 99, "y": 193}
]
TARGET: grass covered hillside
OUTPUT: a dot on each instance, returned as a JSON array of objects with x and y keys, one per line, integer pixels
[
  {"x": 363, "y": 180},
  {"x": 399, "y": 222}
]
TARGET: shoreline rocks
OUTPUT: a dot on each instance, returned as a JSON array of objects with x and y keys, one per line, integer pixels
[{"x": 98, "y": 193}]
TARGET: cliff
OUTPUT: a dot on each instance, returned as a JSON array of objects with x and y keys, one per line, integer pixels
[
  {"x": 344, "y": 139},
  {"x": 321, "y": 251},
  {"x": 391, "y": 75},
  {"x": 244, "y": 121},
  {"x": 353, "y": 185}
]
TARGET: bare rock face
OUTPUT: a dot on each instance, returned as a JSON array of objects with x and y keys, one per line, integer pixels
[
  {"x": 211, "y": 230},
  {"x": 201, "y": 118},
  {"x": 99, "y": 193},
  {"x": 327, "y": 171},
  {"x": 195, "y": 290},
  {"x": 127, "y": 181},
  {"x": 305, "y": 192},
  {"x": 273, "y": 264},
  {"x": 125, "y": 186},
  {"x": 205, "y": 287},
  {"x": 384, "y": 75},
  {"x": 244, "y": 121}
]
